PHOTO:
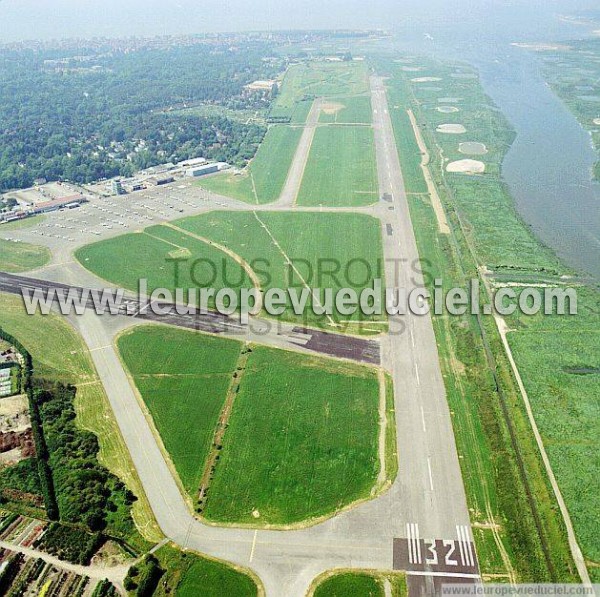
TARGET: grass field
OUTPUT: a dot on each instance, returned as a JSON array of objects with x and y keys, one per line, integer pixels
[
  {"x": 263, "y": 241},
  {"x": 302, "y": 437},
  {"x": 350, "y": 583},
  {"x": 183, "y": 379},
  {"x": 262, "y": 181},
  {"x": 343, "y": 583},
  {"x": 301, "y": 441},
  {"x": 60, "y": 355},
  {"x": 21, "y": 224},
  {"x": 341, "y": 168},
  {"x": 507, "y": 487},
  {"x": 190, "y": 575},
  {"x": 21, "y": 257},
  {"x": 351, "y": 110},
  {"x": 315, "y": 79}
]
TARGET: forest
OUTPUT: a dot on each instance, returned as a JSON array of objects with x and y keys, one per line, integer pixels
[{"x": 101, "y": 112}]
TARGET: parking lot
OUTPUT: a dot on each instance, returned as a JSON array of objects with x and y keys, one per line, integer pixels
[{"x": 102, "y": 217}]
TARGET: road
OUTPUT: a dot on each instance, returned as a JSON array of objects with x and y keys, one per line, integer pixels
[{"x": 421, "y": 524}]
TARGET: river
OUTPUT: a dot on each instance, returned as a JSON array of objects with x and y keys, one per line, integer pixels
[{"x": 548, "y": 167}]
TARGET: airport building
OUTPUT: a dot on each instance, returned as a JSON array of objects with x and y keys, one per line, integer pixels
[{"x": 202, "y": 170}]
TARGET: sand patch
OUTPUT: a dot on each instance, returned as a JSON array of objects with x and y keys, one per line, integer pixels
[
  {"x": 466, "y": 167},
  {"x": 412, "y": 69},
  {"x": 597, "y": 121},
  {"x": 425, "y": 79},
  {"x": 472, "y": 148},
  {"x": 447, "y": 109},
  {"x": 451, "y": 129},
  {"x": 331, "y": 107}
]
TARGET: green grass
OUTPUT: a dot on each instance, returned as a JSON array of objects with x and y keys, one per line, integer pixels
[
  {"x": 341, "y": 168},
  {"x": 21, "y": 257},
  {"x": 568, "y": 416},
  {"x": 353, "y": 110},
  {"x": 302, "y": 438},
  {"x": 312, "y": 247},
  {"x": 262, "y": 181},
  {"x": 59, "y": 354},
  {"x": 301, "y": 441},
  {"x": 315, "y": 79},
  {"x": 344, "y": 584},
  {"x": 21, "y": 224},
  {"x": 190, "y": 575},
  {"x": 183, "y": 379},
  {"x": 126, "y": 259}
]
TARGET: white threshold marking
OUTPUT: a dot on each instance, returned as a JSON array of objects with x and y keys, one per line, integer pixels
[
  {"x": 414, "y": 543},
  {"x": 430, "y": 473},
  {"x": 449, "y": 574}
]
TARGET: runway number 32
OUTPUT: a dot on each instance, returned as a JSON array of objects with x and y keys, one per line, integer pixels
[{"x": 432, "y": 551}]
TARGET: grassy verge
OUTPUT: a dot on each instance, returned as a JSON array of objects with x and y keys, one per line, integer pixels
[
  {"x": 21, "y": 224},
  {"x": 183, "y": 379}
]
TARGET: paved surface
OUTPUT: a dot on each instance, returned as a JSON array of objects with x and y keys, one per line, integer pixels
[
  {"x": 296, "y": 172},
  {"x": 262, "y": 331},
  {"x": 413, "y": 524}
]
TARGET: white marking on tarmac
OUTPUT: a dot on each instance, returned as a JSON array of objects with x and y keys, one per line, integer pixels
[
  {"x": 449, "y": 574},
  {"x": 417, "y": 373},
  {"x": 253, "y": 545},
  {"x": 430, "y": 473},
  {"x": 423, "y": 418},
  {"x": 460, "y": 545}
]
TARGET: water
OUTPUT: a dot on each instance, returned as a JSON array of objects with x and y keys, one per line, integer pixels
[{"x": 548, "y": 167}]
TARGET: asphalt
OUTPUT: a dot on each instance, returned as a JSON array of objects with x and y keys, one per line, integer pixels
[{"x": 421, "y": 524}]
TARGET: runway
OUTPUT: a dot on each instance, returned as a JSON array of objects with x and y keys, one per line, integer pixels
[{"x": 421, "y": 524}]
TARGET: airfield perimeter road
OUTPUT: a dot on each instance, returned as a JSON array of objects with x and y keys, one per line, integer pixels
[{"x": 420, "y": 524}]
